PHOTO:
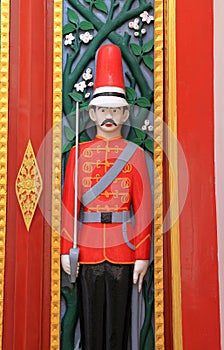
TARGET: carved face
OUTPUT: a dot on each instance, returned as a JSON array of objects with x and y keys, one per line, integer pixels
[{"x": 109, "y": 119}]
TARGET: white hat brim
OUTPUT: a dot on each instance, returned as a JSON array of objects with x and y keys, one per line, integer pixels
[{"x": 108, "y": 101}]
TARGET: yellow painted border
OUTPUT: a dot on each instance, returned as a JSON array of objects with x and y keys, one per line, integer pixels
[
  {"x": 56, "y": 177},
  {"x": 158, "y": 175},
  {"x": 4, "y": 79},
  {"x": 171, "y": 110}
]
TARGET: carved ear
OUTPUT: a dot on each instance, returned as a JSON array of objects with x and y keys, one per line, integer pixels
[
  {"x": 125, "y": 115},
  {"x": 92, "y": 114}
]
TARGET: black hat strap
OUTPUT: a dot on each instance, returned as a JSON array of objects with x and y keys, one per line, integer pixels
[{"x": 113, "y": 94}]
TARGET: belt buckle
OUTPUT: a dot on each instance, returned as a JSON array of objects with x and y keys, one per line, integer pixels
[{"x": 106, "y": 218}]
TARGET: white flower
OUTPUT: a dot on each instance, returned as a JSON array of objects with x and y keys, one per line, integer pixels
[
  {"x": 80, "y": 86},
  {"x": 90, "y": 84},
  {"x": 69, "y": 39},
  {"x": 134, "y": 25},
  {"x": 136, "y": 34},
  {"x": 86, "y": 37},
  {"x": 143, "y": 31},
  {"x": 150, "y": 128},
  {"x": 146, "y": 17},
  {"x": 87, "y": 75},
  {"x": 87, "y": 95},
  {"x": 144, "y": 127},
  {"x": 146, "y": 122}
]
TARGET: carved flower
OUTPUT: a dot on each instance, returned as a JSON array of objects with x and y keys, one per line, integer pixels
[
  {"x": 80, "y": 86},
  {"x": 86, "y": 37},
  {"x": 136, "y": 33},
  {"x": 87, "y": 95},
  {"x": 146, "y": 17},
  {"x": 146, "y": 122},
  {"x": 134, "y": 25},
  {"x": 143, "y": 31},
  {"x": 90, "y": 84},
  {"x": 69, "y": 39},
  {"x": 147, "y": 126},
  {"x": 87, "y": 75}
]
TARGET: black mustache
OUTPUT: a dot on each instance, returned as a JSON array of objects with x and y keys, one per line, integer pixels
[{"x": 111, "y": 121}]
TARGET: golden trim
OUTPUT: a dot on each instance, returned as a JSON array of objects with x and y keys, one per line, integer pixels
[
  {"x": 4, "y": 78},
  {"x": 171, "y": 108},
  {"x": 56, "y": 177},
  {"x": 158, "y": 175},
  {"x": 28, "y": 185}
]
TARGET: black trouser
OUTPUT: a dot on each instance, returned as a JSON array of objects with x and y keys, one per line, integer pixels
[{"x": 105, "y": 305}]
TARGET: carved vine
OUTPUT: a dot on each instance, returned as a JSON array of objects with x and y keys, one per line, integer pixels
[{"x": 89, "y": 24}]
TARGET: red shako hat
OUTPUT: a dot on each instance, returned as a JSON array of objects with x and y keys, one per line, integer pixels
[{"x": 109, "y": 88}]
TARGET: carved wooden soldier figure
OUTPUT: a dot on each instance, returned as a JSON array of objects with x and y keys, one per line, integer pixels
[{"x": 115, "y": 212}]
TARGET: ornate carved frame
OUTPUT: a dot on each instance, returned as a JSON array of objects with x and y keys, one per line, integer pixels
[
  {"x": 4, "y": 78},
  {"x": 164, "y": 38},
  {"x": 158, "y": 180}
]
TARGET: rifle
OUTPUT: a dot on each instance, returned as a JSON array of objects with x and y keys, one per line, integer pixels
[{"x": 74, "y": 252}]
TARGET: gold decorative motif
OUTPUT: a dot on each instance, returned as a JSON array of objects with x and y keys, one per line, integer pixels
[
  {"x": 158, "y": 175},
  {"x": 87, "y": 153},
  {"x": 86, "y": 182},
  {"x": 171, "y": 108},
  {"x": 4, "y": 78},
  {"x": 56, "y": 178},
  {"x": 28, "y": 185},
  {"x": 127, "y": 168},
  {"x": 87, "y": 167},
  {"x": 126, "y": 183}
]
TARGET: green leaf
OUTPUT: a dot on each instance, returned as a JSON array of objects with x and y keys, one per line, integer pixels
[
  {"x": 72, "y": 16},
  {"x": 69, "y": 133},
  {"x": 84, "y": 105},
  {"x": 140, "y": 134},
  {"x": 84, "y": 137},
  {"x": 67, "y": 146},
  {"x": 71, "y": 119},
  {"x": 143, "y": 102},
  {"x": 147, "y": 47},
  {"x": 76, "y": 96},
  {"x": 137, "y": 141},
  {"x": 85, "y": 25},
  {"x": 131, "y": 94},
  {"x": 101, "y": 6},
  {"x": 68, "y": 28},
  {"x": 149, "y": 145},
  {"x": 149, "y": 62},
  {"x": 136, "y": 49}
]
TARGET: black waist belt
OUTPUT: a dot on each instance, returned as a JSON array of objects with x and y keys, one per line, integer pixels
[{"x": 106, "y": 217}]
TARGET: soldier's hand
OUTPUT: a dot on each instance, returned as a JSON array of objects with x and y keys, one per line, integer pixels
[
  {"x": 140, "y": 269},
  {"x": 65, "y": 262}
]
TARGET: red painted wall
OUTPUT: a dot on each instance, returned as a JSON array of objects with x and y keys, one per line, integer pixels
[
  {"x": 199, "y": 267},
  {"x": 27, "y": 276},
  {"x": 27, "y": 283}
]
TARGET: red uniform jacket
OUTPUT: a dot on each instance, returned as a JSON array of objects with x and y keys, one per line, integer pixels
[{"x": 131, "y": 188}]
